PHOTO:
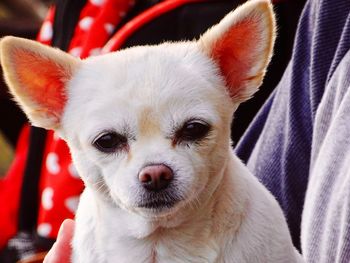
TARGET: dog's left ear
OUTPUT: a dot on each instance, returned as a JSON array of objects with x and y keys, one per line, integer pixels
[
  {"x": 37, "y": 76},
  {"x": 241, "y": 46}
]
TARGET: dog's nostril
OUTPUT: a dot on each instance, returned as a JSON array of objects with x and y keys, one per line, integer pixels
[
  {"x": 156, "y": 177},
  {"x": 145, "y": 178}
]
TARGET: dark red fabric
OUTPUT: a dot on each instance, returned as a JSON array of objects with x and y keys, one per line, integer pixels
[{"x": 10, "y": 188}]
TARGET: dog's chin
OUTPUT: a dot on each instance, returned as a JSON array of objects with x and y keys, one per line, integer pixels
[
  {"x": 156, "y": 212},
  {"x": 151, "y": 205}
]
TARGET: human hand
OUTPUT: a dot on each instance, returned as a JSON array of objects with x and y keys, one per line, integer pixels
[{"x": 61, "y": 250}]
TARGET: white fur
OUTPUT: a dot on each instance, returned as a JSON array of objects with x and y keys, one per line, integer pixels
[
  {"x": 147, "y": 93},
  {"x": 227, "y": 215}
]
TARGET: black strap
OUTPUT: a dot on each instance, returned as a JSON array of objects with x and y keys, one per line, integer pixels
[
  {"x": 67, "y": 14},
  {"x": 28, "y": 208}
]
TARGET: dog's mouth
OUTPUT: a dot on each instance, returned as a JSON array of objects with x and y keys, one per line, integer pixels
[
  {"x": 157, "y": 205},
  {"x": 158, "y": 201}
]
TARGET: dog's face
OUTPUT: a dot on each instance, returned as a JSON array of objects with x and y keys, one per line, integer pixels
[
  {"x": 152, "y": 131},
  {"x": 148, "y": 127}
]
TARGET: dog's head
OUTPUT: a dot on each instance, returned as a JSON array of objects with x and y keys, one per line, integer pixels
[{"x": 148, "y": 127}]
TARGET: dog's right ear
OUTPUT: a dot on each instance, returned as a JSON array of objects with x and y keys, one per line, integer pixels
[{"x": 37, "y": 76}]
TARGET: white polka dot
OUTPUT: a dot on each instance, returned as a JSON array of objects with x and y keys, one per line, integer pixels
[
  {"x": 86, "y": 23},
  {"x": 97, "y": 2},
  {"x": 76, "y": 52},
  {"x": 95, "y": 52},
  {"x": 44, "y": 229},
  {"x": 109, "y": 28},
  {"x": 46, "y": 31},
  {"x": 122, "y": 14},
  {"x": 52, "y": 164},
  {"x": 73, "y": 171},
  {"x": 72, "y": 203},
  {"x": 46, "y": 198}
]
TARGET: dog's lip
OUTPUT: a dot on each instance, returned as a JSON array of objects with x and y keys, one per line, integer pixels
[
  {"x": 161, "y": 200},
  {"x": 157, "y": 204}
]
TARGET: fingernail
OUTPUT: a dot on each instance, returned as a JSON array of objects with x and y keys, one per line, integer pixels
[{"x": 62, "y": 228}]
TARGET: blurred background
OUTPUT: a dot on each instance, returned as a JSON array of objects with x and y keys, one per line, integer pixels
[{"x": 20, "y": 18}]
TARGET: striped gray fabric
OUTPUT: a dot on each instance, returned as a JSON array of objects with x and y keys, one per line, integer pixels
[{"x": 299, "y": 143}]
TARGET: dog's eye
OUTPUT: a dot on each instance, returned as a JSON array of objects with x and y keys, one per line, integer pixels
[
  {"x": 110, "y": 142},
  {"x": 192, "y": 131}
]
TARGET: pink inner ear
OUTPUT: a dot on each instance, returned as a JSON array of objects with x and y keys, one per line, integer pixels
[
  {"x": 42, "y": 81},
  {"x": 235, "y": 52}
]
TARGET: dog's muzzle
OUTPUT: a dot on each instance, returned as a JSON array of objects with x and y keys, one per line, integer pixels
[{"x": 159, "y": 189}]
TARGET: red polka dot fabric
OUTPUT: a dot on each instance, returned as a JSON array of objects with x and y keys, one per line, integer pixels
[
  {"x": 46, "y": 31},
  {"x": 97, "y": 22},
  {"x": 60, "y": 185}
]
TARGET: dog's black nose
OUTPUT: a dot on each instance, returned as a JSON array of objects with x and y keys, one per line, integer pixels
[{"x": 156, "y": 177}]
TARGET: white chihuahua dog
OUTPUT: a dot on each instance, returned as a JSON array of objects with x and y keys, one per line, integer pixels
[{"x": 149, "y": 132}]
